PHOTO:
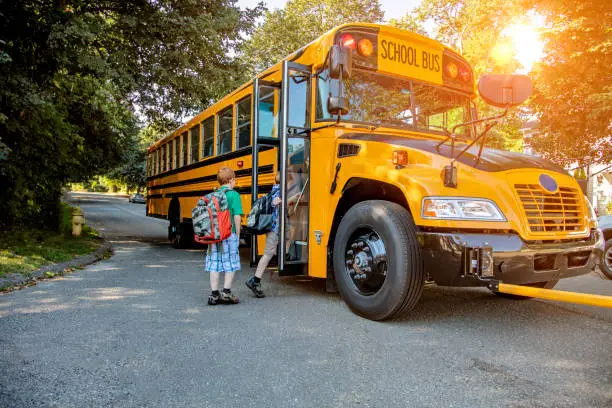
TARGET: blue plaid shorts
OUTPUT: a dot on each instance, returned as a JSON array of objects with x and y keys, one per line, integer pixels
[{"x": 224, "y": 256}]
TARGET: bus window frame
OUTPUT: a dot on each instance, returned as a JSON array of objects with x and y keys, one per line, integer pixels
[{"x": 218, "y": 130}]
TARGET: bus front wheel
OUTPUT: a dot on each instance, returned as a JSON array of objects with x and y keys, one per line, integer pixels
[{"x": 377, "y": 260}]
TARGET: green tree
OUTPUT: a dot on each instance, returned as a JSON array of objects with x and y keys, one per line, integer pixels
[
  {"x": 288, "y": 29},
  {"x": 573, "y": 83},
  {"x": 132, "y": 170},
  {"x": 73, "y": 71}
]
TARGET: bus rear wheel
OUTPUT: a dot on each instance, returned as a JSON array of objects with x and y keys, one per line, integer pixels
[
  {"x": 180, "y": 234},
  {"x": 377, "y": 260}
]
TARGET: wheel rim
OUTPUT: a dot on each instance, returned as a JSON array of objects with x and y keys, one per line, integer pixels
[
  {"x": 365, "y": 260},
  {"x": 608, "y": 258}
]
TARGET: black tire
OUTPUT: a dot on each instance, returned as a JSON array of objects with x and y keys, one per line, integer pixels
[
  {"x": 543, "y": 285},
  {"x": 606, "y": 260},
  {"x": 183, "y": 237},
  {"x": 399, "y": 287}
]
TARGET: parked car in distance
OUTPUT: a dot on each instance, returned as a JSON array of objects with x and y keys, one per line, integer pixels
[
  {"x": 137, "y": 198},
  {"x": 605, "y": 224}
]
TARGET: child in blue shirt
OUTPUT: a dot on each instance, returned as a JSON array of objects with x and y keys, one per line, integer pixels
[{"x": 271, "y": 243}]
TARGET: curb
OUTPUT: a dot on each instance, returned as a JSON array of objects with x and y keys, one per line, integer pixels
[{"x": 17, "y": 281}]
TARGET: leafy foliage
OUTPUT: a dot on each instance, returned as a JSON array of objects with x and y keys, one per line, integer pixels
[
  {"x": 574, "y": 83},
  {"x": 72, "y": 73},
  {"x": 288, "y": 29}
]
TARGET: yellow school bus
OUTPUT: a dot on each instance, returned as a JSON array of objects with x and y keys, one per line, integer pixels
[{"x": 387, "y": 181}]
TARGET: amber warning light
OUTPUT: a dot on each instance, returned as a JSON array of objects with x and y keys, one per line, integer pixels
[
  {"x": 365, "y": 47},
  {"x": 400, "y": 158}
]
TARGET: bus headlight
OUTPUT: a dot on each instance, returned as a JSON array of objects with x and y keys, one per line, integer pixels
[{"x": 458, "y": 208}]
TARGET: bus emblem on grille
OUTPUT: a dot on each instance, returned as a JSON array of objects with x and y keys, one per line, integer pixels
[{"x": 548, "y": 183}]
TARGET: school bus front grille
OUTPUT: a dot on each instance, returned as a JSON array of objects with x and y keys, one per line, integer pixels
[{"x": 546, "y": 212}]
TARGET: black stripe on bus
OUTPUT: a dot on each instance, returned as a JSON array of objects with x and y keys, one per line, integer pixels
[
  {"x": 265, "y": 189},
  {"x": 245, "y": 151},
  {"x": 161, "y": 217},
  {"x": 267, "y": 169}
]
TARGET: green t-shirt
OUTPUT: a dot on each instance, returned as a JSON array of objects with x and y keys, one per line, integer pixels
[{"x": 234, "y": 204}]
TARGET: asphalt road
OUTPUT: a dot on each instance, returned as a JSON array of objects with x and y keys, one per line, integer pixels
[{"x": 135, "y": 331}]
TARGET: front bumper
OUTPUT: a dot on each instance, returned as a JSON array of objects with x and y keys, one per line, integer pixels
[{"x": 449, "y": 259}]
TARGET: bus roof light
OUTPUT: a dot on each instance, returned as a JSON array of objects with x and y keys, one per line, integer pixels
[
  {"x": 452, "y": 70},
  {"x": 464, "y": 74},
  {"x": 348, "y": 41},
  {"x": 365, "y": 47}
]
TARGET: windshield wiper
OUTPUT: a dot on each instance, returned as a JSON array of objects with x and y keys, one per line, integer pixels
[{"x": 450, "y": 172}]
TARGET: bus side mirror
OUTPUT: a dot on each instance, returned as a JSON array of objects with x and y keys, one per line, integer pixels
[
  {"x": 504, "y": 90},
  {"x": 340, "y": 62},
  {"x": 337, "y": 105}
]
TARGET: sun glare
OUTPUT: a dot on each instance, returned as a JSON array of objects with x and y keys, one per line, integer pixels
[
  {"x": 527, "y": 44},
  {"x": 521, "y": 41}
]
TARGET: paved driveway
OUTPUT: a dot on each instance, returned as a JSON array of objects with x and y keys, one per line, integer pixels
[{"x": 134, "y": 331}]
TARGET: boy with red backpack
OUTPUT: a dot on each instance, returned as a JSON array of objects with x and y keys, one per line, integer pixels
[{"x": 223, "y": 256}]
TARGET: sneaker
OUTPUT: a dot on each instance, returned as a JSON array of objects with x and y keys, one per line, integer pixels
[
  {"x": 256, "y": 288},
  {"x": 228, "y": 298},
  {"x": 213, "y": 299}
]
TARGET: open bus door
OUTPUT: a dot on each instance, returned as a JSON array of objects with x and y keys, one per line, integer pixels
[
  {"x": 294, "y": 166},
  {"x": 265, "y": 137}
]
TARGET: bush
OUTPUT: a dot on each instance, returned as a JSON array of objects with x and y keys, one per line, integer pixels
[{"x": 99, "y": 188}]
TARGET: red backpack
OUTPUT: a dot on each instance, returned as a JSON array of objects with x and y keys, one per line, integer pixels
[{"x": 211, "y": 218}]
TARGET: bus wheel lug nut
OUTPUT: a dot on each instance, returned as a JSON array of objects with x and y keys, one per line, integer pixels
[
  {"x": 349, "y": 252},
  {"x": 366, "y": 249},
  {"x": 349, "y": 262}
]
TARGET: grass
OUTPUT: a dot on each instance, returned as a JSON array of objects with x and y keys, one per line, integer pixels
[{"x": 25, "y": 251}]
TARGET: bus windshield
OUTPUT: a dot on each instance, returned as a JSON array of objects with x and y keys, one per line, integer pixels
[{"x": 382, "y": 100}]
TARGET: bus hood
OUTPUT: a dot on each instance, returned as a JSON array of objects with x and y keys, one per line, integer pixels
[{"x": 492, "y": 160}]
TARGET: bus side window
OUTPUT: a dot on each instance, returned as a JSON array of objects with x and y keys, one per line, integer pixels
[
  {"x": 163, "y": 159},
  {"x": 268, "y": 115},
  {"x": 184, "y": 149},
  {"x": 298, "y": 101},
  {"x": 224, "y": 138},
  {"x": 243, "y": 122},
  {"x": 208, "y": 137},
  {"x": 170, "y": 154},
  {"x": 177, "y": 152},
  {"x": 195, "y": 143}
]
